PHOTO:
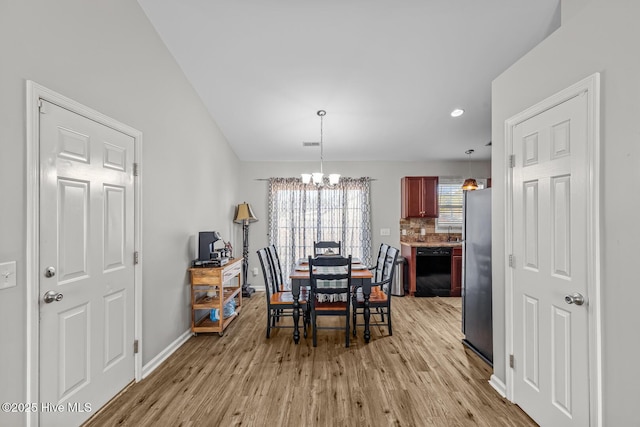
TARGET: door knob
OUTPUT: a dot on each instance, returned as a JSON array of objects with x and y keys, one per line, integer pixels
[
  {"x": 574, "y": 298},
  {"x": 52, "y": 296},
  {"x": 50, "y": 272}
]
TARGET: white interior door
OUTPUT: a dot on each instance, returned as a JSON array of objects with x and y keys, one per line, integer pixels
[
  {"x": 551, "y": 350},
  {"x": 86, "y": 264}
]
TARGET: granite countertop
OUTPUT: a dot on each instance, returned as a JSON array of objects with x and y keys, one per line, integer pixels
[{"x": 431, "y": 244}]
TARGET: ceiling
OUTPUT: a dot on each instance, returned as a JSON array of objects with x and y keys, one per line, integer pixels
[{"x": 388, "y": 72}]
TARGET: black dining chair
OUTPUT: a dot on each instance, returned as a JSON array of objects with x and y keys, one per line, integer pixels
[
  {"x": 327, "y": 247},
  {"x": 380, "y": 298},
  {"x": 376, "y": 270},
  {"x": 330, "y": 279},
  {"x": 280, "y": 303},
  {"x": 279, "y": 277}
]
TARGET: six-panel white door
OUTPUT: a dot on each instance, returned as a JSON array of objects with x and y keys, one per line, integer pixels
[
  {"x": 551, "y": 354},
  {"x": 86, "y": 264}
]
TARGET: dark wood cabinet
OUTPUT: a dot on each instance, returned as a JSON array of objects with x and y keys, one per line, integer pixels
[
  {"x": 409, "y": 254},
  {"x": 419, "y": 197},
  {"x": 456, "y": 272},
  {"x": 412, "y": 255}
]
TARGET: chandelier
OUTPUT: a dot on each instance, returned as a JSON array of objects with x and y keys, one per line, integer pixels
[{"x": 318, "y": 177}]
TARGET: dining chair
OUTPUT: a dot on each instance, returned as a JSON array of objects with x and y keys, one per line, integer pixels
[
  {"x": 376, "y": 270},
  {"x": 279, "y": 303},
  {"x": 330, "y": 279},
  {"x": 380, "y": 298},
  {"x": 279, "y": 278},
  {"x": 323, "y": 247}
]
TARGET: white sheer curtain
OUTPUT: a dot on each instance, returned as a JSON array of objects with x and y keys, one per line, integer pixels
[{"x": 300, "y": 214}]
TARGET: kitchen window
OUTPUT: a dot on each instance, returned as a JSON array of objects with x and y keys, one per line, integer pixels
[{"x": 451, "y": 204}]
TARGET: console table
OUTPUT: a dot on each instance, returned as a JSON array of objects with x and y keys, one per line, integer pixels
[{"x": 212, "y": 288}]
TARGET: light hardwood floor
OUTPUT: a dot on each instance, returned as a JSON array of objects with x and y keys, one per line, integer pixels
[{"x": 421, "y": 376}]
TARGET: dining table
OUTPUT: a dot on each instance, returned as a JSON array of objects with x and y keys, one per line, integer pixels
[{"x": 360, "y": 276}]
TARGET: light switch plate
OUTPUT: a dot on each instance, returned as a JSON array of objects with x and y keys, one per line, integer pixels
[
  {"x": 7, "y": 274},
  {"x": 385, "y": 232}
]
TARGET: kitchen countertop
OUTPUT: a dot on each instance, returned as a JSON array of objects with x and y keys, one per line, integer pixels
[{"x": 431, "y": 244}]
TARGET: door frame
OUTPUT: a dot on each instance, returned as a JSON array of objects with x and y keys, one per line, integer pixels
[
  {"x": 589, "y": 87},
  {"x": 35, "y": 93}
]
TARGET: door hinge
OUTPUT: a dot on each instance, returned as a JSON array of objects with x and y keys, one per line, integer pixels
[
  {"x": 511, "y": 361},
  {"x": 136, "y": 257},
  {"x": 135, "y": 169},
  {"x": 512, "y": 261},
  {"x": 135, "y": 347},
  {"x": 512, "y": 161}
]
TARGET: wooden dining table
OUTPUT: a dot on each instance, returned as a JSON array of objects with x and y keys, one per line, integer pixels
[{"x": 359, "y": 277}]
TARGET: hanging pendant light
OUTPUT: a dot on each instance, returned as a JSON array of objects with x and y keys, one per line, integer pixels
[
  {"x": 470, "y": 184},
  {"x": 318, "y": 177}
]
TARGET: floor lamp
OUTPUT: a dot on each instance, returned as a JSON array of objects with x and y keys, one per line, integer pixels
[{"x": 244, "y": 215}]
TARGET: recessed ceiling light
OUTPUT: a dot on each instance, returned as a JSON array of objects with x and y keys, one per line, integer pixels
[{"x": 457, "y": 112}]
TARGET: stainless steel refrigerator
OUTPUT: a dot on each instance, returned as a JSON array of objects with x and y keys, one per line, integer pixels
[{"x": 476, "y": 286}]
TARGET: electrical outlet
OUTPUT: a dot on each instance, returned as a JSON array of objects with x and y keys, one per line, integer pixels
[
  {"x": 404, "y": 232},
  {"x": 385, "y": 232},
  {"x": 255, "y": 271},
  {"x": 7, "y": 275}
]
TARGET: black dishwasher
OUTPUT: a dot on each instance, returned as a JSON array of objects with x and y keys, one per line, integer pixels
[{"x": 433, "y": 272}]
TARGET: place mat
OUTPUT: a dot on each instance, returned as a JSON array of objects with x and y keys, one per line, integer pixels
[{"x": 359, "y": 267}]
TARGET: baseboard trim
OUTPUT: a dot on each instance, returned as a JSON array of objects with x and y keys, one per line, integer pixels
[
  {"x": 164, "y": 354},
  {"x": 498, "y": 386}
]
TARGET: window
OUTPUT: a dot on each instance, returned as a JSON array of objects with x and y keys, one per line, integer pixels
[
  {"x": 300, "y": 214},
  {"x": 450, "y": 200},
  {"x": 451, "y": 203}
]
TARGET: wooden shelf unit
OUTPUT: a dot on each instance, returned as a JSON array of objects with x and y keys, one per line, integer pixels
[{"x": 226, "y": 284}]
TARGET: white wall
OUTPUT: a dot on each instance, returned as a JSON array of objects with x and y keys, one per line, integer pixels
[
  {"x": 385, "y": 192},
  {"x": 571, "y": 8},
  {"x": 106, "y": 55},
  {"x": 602, "y": 37}
]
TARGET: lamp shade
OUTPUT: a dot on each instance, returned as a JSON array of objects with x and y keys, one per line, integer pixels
[
  {"x": 317, "y": 177},
  {"x": 244, "y": 213},
  {"x": 470, "y": 184}
]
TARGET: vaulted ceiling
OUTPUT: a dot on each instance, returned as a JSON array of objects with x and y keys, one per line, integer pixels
[{"x": 388, "y": 72}]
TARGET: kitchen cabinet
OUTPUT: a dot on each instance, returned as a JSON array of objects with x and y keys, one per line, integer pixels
[
  {"x": 419, "y": 196},
  {"x": 409, "y": 254},
  {"x": 212, "y": 288},
  {"x": 433, "y": 269},
  {"x": 456, "y": 272}
]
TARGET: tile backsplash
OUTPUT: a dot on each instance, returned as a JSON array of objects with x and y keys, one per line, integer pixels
[{"x": 411, "y": 228}]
